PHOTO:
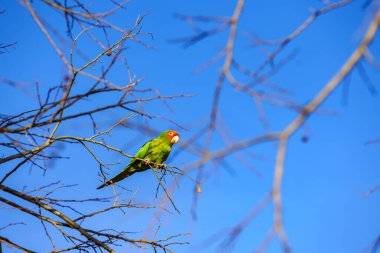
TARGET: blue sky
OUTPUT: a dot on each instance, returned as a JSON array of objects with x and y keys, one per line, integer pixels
[{"x": 324, "y": 180}]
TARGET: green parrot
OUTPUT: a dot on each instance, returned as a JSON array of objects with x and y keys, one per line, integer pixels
[{"x": 155, "y": 151}]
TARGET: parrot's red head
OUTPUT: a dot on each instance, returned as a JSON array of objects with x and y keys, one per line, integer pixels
[{"x": 173, "y": 136}]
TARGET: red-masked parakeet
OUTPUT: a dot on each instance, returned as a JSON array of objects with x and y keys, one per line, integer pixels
[{"x": 153, "y": 152}]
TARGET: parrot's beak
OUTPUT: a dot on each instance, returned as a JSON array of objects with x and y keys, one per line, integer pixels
[{"x": 175, "y": 139}]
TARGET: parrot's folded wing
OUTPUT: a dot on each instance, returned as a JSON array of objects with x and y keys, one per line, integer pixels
[{"x": 144, "y": 151}]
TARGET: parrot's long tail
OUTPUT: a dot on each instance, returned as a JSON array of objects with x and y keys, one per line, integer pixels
[
  {"x": 117, "y": 178},
  {"x": 105, "y": 184}
]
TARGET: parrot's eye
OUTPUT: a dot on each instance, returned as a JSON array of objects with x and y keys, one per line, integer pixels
[{"x": 171, "y": 133}]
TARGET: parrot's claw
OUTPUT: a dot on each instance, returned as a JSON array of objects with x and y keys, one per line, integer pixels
[
  {"x": 147, "y": 161},
  {"x": 163, "y": 166}
]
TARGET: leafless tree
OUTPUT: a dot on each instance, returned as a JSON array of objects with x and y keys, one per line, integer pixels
[{"x": 31, "y": 138}]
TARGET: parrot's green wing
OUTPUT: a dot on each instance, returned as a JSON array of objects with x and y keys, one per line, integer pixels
[
  {"x": 134, "y": 165},
  {"x": 144, "y": 151}
]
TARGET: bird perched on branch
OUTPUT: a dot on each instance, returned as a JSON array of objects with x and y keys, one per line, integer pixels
[{"x": 151, "y": 155}]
